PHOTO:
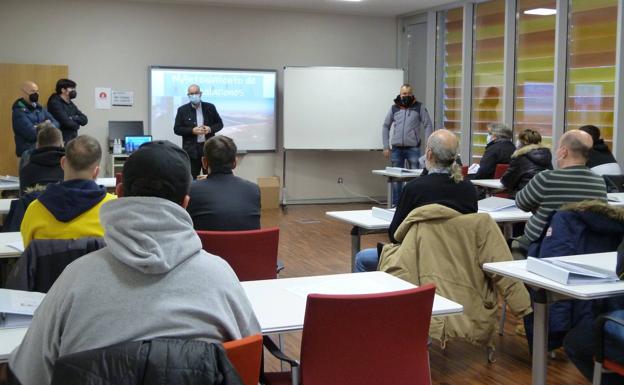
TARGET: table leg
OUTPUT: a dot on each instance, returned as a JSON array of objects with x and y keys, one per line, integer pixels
[
  {"x": 540, "y": 338},
  {"x": 389, "y": 193},
  {"x": 508, "y": 230},
  {"x": 355, "y": 245}
]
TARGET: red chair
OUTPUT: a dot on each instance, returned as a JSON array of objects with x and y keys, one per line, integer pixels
[
  {"x": 252, "y": 254},
  {"x": 362, "y": 340},
  {"x": 498, "y": 173},
  {"x": 464, "y": 171},
  {"x": 117, "y": 178},
  {"x": 604, "y": 363},
  {"x": 245, "y": 355}
]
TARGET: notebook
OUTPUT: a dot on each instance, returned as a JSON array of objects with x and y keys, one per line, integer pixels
[{"x": 569, "y": 273}]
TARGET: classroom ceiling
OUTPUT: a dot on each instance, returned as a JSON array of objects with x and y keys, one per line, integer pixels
[{"x": 364, "y": 7}]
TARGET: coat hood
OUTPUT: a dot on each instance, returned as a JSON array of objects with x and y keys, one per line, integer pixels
[
  {"x": 537, "y": 154},
  {"x": 71, "y": 198},
  {"x": 422, "y": 214},
  {"x": 598, "y": 216},
  {"x": 47, "y": 156},
  {"x": 152, "y": 235}
]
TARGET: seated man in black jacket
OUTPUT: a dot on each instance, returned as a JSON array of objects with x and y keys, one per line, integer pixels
[
  {"x": 222, "y": 201},
  {"x": 601, "y": 161},
  {"x": 498, "y": 150},
  {"x": 443, "y": 185},
  {"x": 65, "y": 111},
  {"x": 43, "y": 166}
]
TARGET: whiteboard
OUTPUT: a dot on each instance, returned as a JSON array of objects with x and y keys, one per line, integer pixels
[{"x": 337, "y": 108}]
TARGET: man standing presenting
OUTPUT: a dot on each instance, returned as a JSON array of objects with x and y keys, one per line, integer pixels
[
  {"x": 408, "y": 116},
  {"x": 195, "y": 122},
  {"x": 28, "y": 113}
]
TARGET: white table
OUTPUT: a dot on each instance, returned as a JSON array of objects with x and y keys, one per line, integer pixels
[
  {"x": 364, "y": 222},
  {"x": 10, "y": 238},
  {"x": 397, "y": 176},
  {"x": 5, "y": 205},
  {"x": 616, "y": 199},
  {"x": 280, "y": 304},
  {"x": 109, "y": 183},
  {"x": 546, "y": 288},
  {"x": 494, "y": 184}
]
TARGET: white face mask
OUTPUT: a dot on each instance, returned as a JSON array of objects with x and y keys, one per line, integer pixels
[
  {"x": 518, "y": 144},
  {"x": 195, "y": 98},
  {"x": 488, "y": 138}
]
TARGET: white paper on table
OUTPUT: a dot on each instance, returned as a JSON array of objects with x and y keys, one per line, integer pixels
[
  {"x": 19, "y": 301},
  {"x": 19, "y": 246},
  {"x": 473, "y": 169},
  {"x": 9, "y": 321},
  {"x": 337, "y": 286}
]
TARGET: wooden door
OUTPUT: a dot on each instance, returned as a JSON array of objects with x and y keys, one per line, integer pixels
[{"x": 11, "y": 78}]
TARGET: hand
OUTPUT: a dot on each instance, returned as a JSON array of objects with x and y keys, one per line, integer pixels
[
  {"x": 386, "y": 153},
  {"x": 207, "y": 129},
  {"x": 198, "y": 130},
  {"x": 47, "y": 121}
]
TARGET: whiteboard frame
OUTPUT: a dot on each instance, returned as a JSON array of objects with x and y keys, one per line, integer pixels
[
  {"x": 161, "y": 67},
  {"x": 284, "y": 148}
]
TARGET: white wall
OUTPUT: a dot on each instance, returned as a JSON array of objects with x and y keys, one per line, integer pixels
[{"x": 112, "y": 43}]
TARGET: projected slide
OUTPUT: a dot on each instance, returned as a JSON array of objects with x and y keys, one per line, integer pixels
[{"x": 245, "y": 101}]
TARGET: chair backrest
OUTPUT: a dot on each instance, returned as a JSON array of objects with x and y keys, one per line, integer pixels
[
  {"x": 360, "y": 339},
  {"x": 464, "y": 171},
  {"x": 118, "y": 178},
  {"x": 252, "y": 254},
  {"x": 245, "y": 355},
  {"x": 500, "y": 170}
]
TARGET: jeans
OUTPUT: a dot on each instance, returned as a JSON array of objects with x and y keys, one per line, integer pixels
[
  {"x": 398, "y": 156},
  {"x": 366, "y": 260},
  {"x": 579, "y": 346}
]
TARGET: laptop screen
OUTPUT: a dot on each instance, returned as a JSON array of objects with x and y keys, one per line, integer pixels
[{"x": 134, "y": 142}]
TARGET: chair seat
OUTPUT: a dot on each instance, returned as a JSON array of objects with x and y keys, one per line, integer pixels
[
  {"x": 613, "y": 366},
  {"x": 277, "y": 378}
]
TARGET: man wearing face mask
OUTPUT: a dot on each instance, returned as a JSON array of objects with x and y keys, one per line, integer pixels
[
  {"x": 27, "y": 114},
  {"x": 65, "y": 111},
  {"x": 196, "y": 122},
  {"x": 408, "y": 116}
]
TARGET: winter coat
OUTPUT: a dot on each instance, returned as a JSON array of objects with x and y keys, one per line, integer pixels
[
  {"x": 441, "y": 246},
  {"x": 496, "y": 152},
  {"x": 577, "y": 228},
  {"x": 601, "y": 160},
  {"x": 25, "y": 117},
  {"x": 407, "y": 121},
  {"x": 526, "y": 162},
  {"x": 159, "y": 361},
  {"x": 70, "y": 118},
  {"x": 43, "y": 167}
]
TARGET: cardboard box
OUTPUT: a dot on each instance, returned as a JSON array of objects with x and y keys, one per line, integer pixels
[{"x": 269, "y": 192}]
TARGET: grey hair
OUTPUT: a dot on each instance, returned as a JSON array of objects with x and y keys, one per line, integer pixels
[
  {"x": 443, "y": 157},
  {"x": 500, "y": 130}
]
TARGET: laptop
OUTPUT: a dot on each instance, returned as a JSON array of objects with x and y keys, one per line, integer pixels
[{"x": 132, "y": 143}]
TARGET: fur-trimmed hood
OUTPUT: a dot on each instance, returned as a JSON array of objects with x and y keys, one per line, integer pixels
[{"x": 597, "y": 207}]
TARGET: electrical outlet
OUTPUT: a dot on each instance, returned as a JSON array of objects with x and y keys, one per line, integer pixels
[{"x": 339, "y": 180}]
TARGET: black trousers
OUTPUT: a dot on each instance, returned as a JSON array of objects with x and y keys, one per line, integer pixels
[{"x": 195, "y": 158}]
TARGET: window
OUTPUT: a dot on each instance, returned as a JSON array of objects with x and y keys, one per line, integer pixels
[
  {"x": 535, "y": 63},
  {"x": 488, "y": 68},
  {"x": 449, "y": 89},
  {"x": 592, "y": 30}
]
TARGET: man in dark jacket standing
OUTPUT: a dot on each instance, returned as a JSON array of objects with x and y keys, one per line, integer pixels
[
  {"x": 44, "y": 164},
  {"x": 196, "y": 122},
  {"x": 65, "y": 111},
  {"x": 27, "y": 113},
  {"x": 497, "y": 151}
]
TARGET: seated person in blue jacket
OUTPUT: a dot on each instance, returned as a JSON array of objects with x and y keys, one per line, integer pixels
[
  {"x": 443, "y": 185},
  {"x": 27, "y": 114},
  {"x": 580, "y": 342}
]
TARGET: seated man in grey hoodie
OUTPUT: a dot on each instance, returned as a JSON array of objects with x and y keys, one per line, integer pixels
[{"x": 152, "y": 280}]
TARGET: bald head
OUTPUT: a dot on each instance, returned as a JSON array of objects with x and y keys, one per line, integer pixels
[
  {"x": 441, "y": 149},
  {"x": 574, "y": 147},
  {"x": 193, "y": 89},
  {"x": 29, "y": 88}
]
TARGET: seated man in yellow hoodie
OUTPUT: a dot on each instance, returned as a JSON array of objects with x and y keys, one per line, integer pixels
[{"x": 70, "y": 210}]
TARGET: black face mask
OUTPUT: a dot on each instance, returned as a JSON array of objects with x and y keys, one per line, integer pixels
[
  {"x": 407, "y": 100},
  {"x": 73, "y": 94},
  {"x": 34, "y": 98}
]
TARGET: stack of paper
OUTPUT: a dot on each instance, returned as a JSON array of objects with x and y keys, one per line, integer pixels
[
  {"x": 495, "y": 204},
  {"x": 615, "y": 197},
  {"x": 403, "y": 170},
  {"x": 385, "y": 214},
  {"x": 569, "y": 273},
  {"x": 17, "y": 307}
]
